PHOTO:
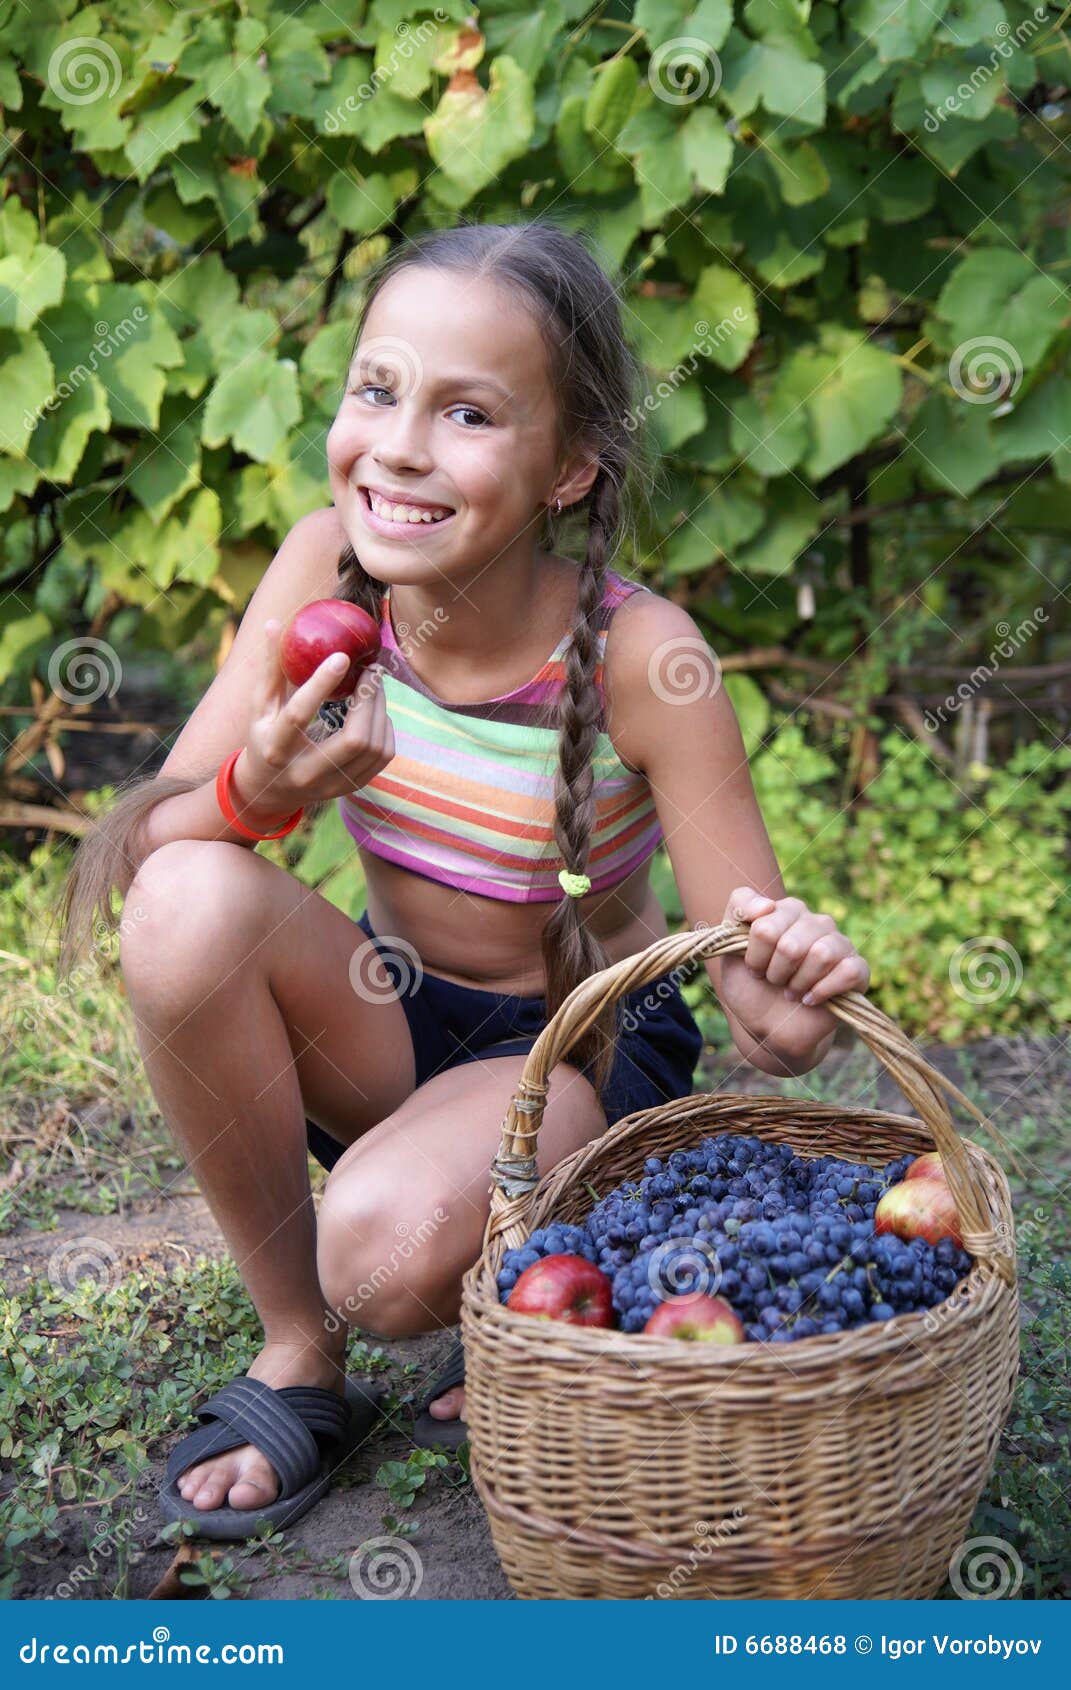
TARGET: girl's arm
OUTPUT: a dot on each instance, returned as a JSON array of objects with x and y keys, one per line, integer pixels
[
  {"x": 180, "y": 801},
  {"x": 672, "y": 718}
]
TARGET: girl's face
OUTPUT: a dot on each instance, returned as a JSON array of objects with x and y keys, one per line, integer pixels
[{"x": 448, "y": 404}]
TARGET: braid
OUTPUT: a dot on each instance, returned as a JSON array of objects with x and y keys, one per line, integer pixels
[{"x": 571, "y": 951}]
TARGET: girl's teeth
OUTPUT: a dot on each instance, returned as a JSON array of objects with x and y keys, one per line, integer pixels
[{"x": 404, "y": 513}]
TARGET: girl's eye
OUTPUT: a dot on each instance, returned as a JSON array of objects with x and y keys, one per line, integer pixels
[{"x": 371, "y": 387}]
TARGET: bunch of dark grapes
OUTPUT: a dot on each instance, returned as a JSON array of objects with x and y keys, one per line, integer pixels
[
  {"x": 554, "y": 1240},
  {"x": 787, "y": 1240}
]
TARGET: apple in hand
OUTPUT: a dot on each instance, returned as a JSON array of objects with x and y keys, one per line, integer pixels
[
  {"x": 321, "y": 628},
  {"x": 563, "y": 1287},
  {"x": 697, "y": 1317},
  {"x": 919, "y": 1208},
  {"x": 929, "y": 1166}
]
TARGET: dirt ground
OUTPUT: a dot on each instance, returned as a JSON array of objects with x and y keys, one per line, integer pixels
[{"x": 456, "y": 1554}]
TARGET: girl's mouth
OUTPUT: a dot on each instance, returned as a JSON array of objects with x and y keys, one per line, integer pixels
[{"x": 398, "y": 529}]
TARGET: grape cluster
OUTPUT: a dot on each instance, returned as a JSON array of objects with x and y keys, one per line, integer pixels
[
  {"x": 553, "y": 1240},
  {"x": 788, "y": 1241}
]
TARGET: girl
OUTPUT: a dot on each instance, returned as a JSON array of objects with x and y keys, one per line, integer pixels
[{"x": 505, "y": 818}]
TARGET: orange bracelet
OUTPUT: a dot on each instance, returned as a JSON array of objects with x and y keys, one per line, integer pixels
[{"x": 223, "y": 798}]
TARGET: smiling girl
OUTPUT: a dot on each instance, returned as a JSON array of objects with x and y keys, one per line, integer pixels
[{"x": 505, "y": 804}]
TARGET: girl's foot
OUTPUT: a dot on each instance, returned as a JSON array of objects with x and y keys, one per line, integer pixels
[
  {"x": 244, "y": 1477},
  {"x": 450, "y": 1406}
]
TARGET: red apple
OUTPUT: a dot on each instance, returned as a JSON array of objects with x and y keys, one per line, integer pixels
[
  {"x": 568, "y": 1288},
  {"x": 323, "y": 627},
  {"x": 929, "y": 1166},
  {"x": 919, "y": 1208},
  {"x": 694, "y": 1315}
]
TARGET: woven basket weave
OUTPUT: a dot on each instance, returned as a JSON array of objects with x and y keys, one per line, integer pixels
[{"x": 613, "y": 1464}]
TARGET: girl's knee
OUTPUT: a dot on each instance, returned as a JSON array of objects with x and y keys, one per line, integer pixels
[
  {"x": 183, "y": 910},
  {"x": 391, "y": 1276}
]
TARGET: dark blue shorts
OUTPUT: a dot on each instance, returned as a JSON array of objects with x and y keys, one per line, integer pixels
[{"x": 657, "y": 1048}]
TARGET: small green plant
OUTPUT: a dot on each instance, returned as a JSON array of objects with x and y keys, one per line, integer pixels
[{"x": 403, "y": 1479}]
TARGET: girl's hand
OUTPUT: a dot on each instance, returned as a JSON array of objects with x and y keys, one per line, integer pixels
[
  {"x": 802, "y": 954},
  {"x": 280, "y": 767}
]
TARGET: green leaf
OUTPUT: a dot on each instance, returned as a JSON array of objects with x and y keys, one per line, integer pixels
[
  {"x": 29, "y": 284},
  {"x": 727, "y": 319},
  {"x": 998, "y": 294},
  {"x": 361, "y": 204},
  {"x": 954, "y": 444},
  {"x": 21, "y": 630},
  {"x": 475, "y": 132},
  {"x": 60, "y": 437},
  {"x": 777, "y": 77},
  {"x": 166, "y": 464},
  {"x": 677, "y": 413},
  {"x": 850, "y": 389},
  {"x": 297, "y": 64},
  {"x": 601, "y": 170},
  {"x": 17, "y": 476},
  {"x": 668, "y": 20},
  {"x": 229, "y": 71},
  {"x": 793, "y": 516},
  {"x": 253, "y": 404},
  {"x": 162, "y": 130},
  {"x": 899, "y": 29},
  {"x": 611, "y": 99},
  {"x": 707, "y": 149},
  {"x": 27, "y": 380},
  {"x": 702, "y": 528},
  {"x": 769, "y": 430},
  {"x": 339, "y": 108}
]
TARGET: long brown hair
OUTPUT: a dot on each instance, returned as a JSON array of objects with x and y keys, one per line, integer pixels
[{"x": 598, "y": 383}]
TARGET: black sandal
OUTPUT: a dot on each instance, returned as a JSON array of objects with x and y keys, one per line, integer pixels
[
  {"x": 429, "y": 1432},
  {"x": 305, "y": 1431}
]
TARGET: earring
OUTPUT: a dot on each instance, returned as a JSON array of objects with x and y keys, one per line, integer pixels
[{"x": 557, "y": 507}]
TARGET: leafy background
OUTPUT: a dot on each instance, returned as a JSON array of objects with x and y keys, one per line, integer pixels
[{"x": 843, "y": 233}]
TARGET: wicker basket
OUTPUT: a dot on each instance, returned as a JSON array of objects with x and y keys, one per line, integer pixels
[{"x": 613, "y": 1464}]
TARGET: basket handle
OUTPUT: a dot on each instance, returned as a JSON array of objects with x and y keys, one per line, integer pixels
[{"x": 514, "y": 1171}]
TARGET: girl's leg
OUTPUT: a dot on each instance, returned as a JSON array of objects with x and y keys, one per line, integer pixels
[
  {"x": 240, "y": 982},
  {"x": 417, "y": 1187}
]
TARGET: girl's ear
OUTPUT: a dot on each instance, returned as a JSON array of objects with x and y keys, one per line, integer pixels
[{"x": 579, "y": 480}]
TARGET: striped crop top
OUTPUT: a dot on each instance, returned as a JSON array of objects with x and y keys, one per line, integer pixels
[{"x": 468, "y": 797}]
